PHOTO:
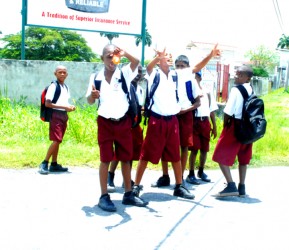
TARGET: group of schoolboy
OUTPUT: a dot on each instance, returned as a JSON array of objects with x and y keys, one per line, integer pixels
[{"x": 176, "y": 125}]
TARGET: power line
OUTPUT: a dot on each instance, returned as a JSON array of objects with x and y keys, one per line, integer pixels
[{"x": 278, "y": 14}]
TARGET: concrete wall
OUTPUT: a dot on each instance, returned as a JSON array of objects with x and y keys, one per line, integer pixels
[
  {"x": 24, "y": 78},
  {"x": 27, "y": 79}
]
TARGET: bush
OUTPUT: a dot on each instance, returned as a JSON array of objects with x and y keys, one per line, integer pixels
[{"x": 261, "y": 72}]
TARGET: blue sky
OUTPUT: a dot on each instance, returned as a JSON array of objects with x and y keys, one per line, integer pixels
[{"x": 173, "y": 24}]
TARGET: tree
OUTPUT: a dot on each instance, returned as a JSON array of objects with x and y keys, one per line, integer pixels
[
  {"x": 148, "y": 39},
  {"x": 264, "y": 60},
  {"x": 110, "y": 36},
  {"x": 283, "y": 42},
  {"x": 48, "y": 44}
]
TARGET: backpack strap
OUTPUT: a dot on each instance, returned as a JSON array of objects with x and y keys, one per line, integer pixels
[
  {"x": 97, "y": 83},
  {"x": 243, "y": 91},
  {"x": 124, "y": 86},
  {"x": 175, "y": 79},
  {"x": 189, "y": 91},
  {"x": 57, "y": 91},
  {"x": 149, "y": 101},
  {"x": 155, "y": 84},
  {"x": 244, "y": 94}
]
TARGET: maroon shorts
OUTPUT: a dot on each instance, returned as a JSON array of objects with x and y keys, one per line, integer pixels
[
  {"x": 58, "y": 125},
  {"x": 162, "y": 141},
  {"x": 114, "y": 137},
  {"x": 228, "y": 148},
  {"x": 186, "y": 129},
  {"x": 201, "y": 134},
  {"x": 137, "y": 140}
]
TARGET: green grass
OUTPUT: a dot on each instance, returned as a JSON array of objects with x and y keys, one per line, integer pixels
[{"x": 24, "y": 137}]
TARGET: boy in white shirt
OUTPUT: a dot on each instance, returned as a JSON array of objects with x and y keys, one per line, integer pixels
[
  {"x": 228, "y": 147},
  {"x": 113, "y": 124},
  {"x": 58, "y": 122},
  {"x": 202, "y": 131}
]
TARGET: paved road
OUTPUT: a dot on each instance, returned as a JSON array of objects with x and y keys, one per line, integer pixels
[{"x": 59, "y": 211}]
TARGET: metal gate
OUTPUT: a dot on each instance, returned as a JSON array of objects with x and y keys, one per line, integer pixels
[{"x": 223, "y": 75}]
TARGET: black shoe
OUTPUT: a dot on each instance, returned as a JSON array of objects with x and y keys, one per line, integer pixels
[
  {"x": 230, "y": 190},
  {"x": 133, "y": 200},
  {"x": 110, "y": 183},
  {"x": 163, "y": 181},
  {"x": 57, "y": 168},
  {"x": 136, "y": 190},
  {"x": 132, "y": 184},
  {"x": 181, "y": 191},
  {"x": 241, "y": 190},
  {"x": 106, "y": 204},
  {"x": 192, "y": 180},
  {"x": 43, "y": 168},
  {"x": 203, "y": 177}
]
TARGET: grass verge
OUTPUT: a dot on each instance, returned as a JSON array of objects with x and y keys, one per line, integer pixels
[{"x": 24, "y": 137}]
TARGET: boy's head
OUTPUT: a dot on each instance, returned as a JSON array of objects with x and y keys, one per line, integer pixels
[
  {"x": 107, "y": 56},
  {"x": 243, "y": 74},
  {"x": 166, "y": 61},
  {"x": 61, "y": 73},
  {"x": 182, "y": 62}
]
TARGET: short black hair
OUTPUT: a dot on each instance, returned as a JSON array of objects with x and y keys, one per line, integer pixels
[
  {"x": 246, "y": 70},
  {"x": 184, "y": 59},
  {"x": 107, "y": 47}
]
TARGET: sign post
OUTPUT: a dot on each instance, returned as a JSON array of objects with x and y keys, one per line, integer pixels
[{"x": 125, "y": 17}]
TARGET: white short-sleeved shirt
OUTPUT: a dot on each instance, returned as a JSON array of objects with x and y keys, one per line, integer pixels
[
  {"x": 235, "y": 102},
  {"x": 113, "y": 102},
  {"x": 185, "y": 75},
  {"x": 165, "y": 101},
  {"x": 64, "y": 94},
  {"x": 207, "y": 106}
]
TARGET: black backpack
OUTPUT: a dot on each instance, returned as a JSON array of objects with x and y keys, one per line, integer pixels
[
  {"x": 134, "y": 109},
  {"x": 45, "y": 112},
  {"x": 252, "y": 126}
]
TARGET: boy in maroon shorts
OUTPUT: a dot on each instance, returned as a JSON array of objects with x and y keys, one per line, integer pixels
[
  {"x": 185, "y": 117},
  {"x": 137, "y": 134},
  {"x": 58, "y": 122},
  {"x": 202, "y": 132},
  {"x": 137, "y": 140},
  {"x": 162, "y": 139},
  {"x": 113, "y": 124},
  {"x": 228, "y": 147}
]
